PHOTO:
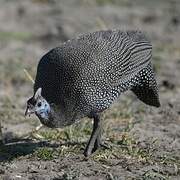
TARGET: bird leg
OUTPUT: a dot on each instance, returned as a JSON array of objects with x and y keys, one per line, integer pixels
[
  {"x": 94, "y": 141},
  {"x": 98, "y": 142}
]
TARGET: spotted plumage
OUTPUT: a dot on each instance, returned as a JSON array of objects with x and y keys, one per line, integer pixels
[{"x": 85, "y": 75}]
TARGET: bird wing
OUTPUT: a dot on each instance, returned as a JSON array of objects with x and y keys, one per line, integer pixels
[{"x": 131, "y": 52}]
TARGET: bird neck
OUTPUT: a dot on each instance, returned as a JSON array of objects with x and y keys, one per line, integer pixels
[{"x": 59, "y": 116}]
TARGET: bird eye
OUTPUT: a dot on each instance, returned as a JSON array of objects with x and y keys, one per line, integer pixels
[{"x": 39, "y": 104}]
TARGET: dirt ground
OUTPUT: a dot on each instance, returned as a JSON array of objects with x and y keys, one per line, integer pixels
[{"x": 144, "y": 142}]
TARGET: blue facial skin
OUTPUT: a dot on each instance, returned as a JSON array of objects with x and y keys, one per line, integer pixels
[{"x": 43, "y": 111}]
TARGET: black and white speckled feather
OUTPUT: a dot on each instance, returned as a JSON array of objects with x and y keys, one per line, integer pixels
[{"x": 86, "y": 74}]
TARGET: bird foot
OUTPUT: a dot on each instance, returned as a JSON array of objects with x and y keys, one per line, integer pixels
[
  {"x": 105, "y": 146},
  {"x": 100, "y": 146},
  {"x": 88, "y": 151}
]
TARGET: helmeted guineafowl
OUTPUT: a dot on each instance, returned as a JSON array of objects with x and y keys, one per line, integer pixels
[{"x": 83, "y": 76}]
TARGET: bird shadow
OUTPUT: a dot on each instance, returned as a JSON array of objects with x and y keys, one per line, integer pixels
[{"x": 22, "y": 147}]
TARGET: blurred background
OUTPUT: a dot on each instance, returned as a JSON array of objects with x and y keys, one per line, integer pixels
[{"x": 30, "y": 28}]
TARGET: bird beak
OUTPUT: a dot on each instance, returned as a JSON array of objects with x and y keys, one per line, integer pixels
[{"x": 28, "y": 112}]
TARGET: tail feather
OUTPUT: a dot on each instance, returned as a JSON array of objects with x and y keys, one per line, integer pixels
[{"x": 146, "y": 89}]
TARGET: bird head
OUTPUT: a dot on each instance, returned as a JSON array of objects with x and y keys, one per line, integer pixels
[{"x": 38, "y": 105}]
